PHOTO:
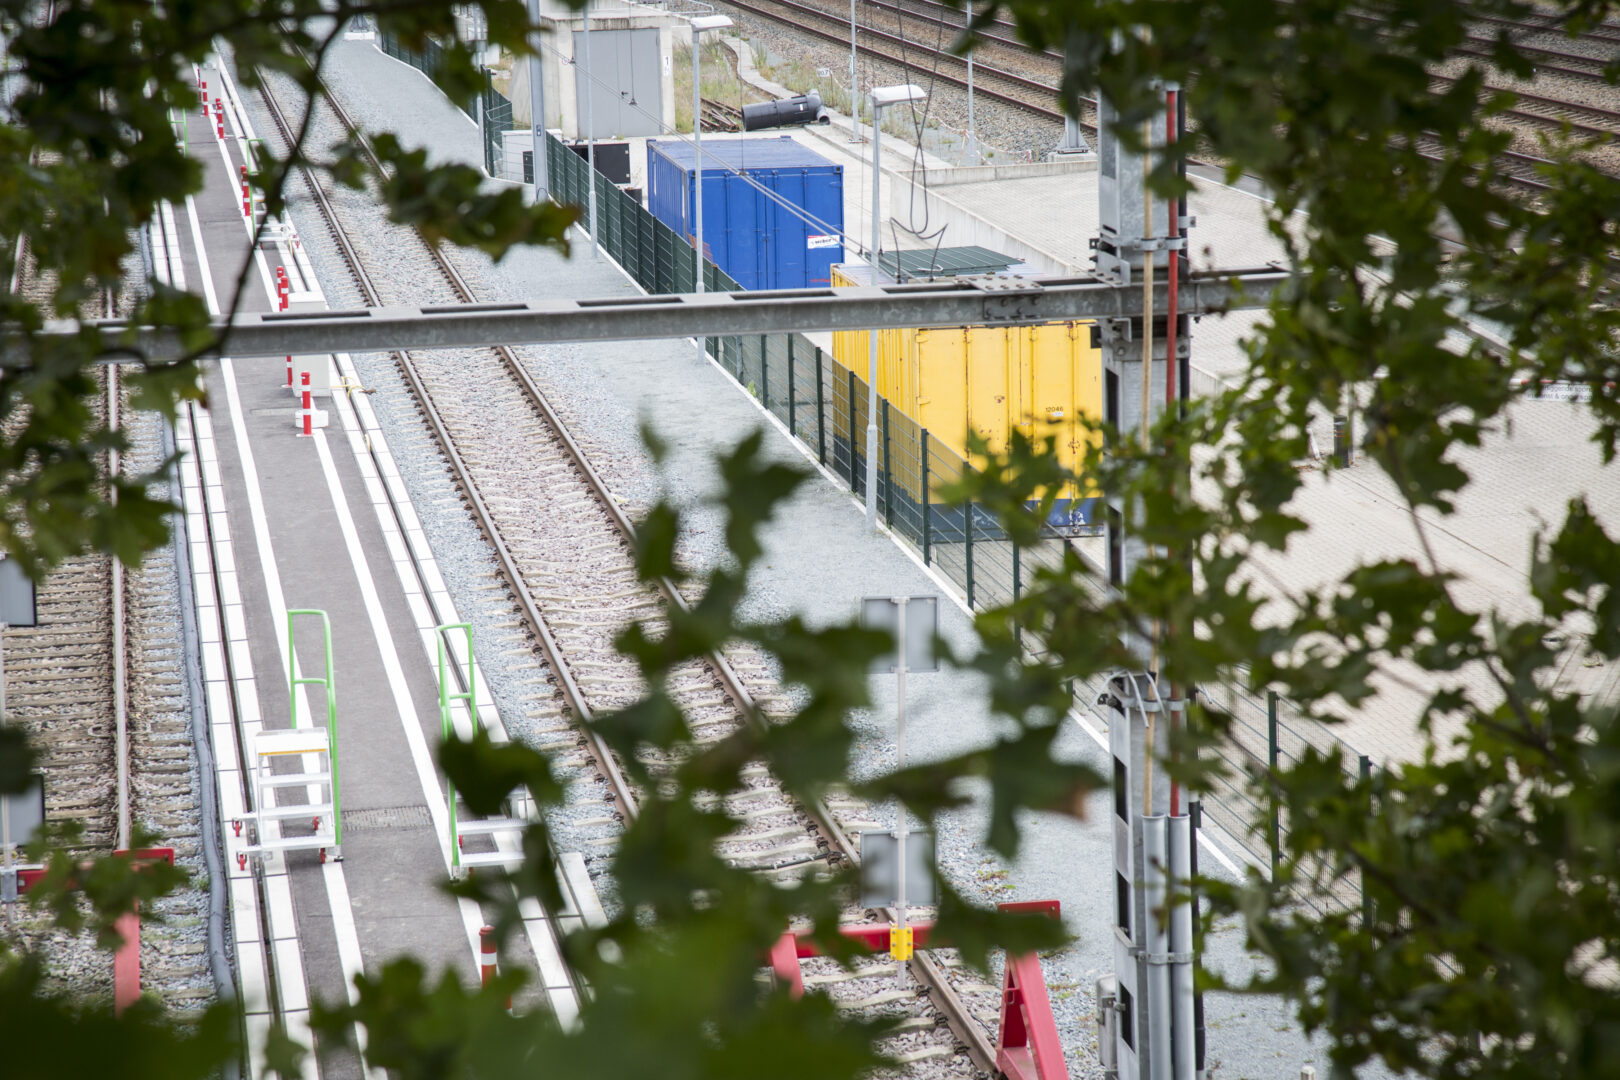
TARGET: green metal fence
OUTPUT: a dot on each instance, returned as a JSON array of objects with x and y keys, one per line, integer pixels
[
  {"x": 494, "y": 120},
  {"x": 822, "y": 403}
]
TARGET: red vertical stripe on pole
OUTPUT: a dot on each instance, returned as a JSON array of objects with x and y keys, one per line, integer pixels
[{"x": 127, "y": 963}]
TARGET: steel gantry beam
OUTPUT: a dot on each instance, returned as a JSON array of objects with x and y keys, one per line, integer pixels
[{"x": 996, "y": 301}]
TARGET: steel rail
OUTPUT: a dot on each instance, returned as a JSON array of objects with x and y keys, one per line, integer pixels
[
  {"x": 1054, "y": 115},
  {"x": 120, "y": 645},
  {"x": 208, "y": 540}
]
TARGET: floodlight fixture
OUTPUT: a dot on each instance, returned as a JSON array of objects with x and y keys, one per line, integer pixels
[{"x": 884, "y": 96}]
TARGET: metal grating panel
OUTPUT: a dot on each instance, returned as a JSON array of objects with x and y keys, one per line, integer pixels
[{"x": 387, "y": 817}]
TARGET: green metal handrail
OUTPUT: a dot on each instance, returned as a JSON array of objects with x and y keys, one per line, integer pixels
[
  {"x": 329, "y": 684},
  {"x": 446, "y": 727}
]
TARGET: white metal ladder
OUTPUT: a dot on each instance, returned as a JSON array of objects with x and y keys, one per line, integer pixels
[
  {"x": 463, "y": 823},
  {"x": 269, "y": 746}
]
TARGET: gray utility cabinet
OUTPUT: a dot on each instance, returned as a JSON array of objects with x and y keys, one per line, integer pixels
[{"x": 626, "y": 87}]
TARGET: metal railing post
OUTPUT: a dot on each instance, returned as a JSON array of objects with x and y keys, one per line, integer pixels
[
  {"x": 765, "y": 371},
  {"x": 1017, "y": 574},
  {"x": 1271, "y": 759},
  {"x": 447, "y": 727},
  {"x": 967, "y": 523},
  {"x": 888, "y": 471},
  {"x": 793, "y": 403},
  {"x": 927, "y": 502},
  {"x": 1365, "y": 764},
  {"x": 821, "y": 409},
  {"x": 854, "y": 473},
  {"x": 329, "y": 683}
]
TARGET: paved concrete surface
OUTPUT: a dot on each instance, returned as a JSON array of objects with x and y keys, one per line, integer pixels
[{"x": 392, "y": 861}]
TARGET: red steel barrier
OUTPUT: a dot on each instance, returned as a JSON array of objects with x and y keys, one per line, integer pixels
[
  {"x": 790, "y": 948},
  {"x": 1028, "y": 1047}
]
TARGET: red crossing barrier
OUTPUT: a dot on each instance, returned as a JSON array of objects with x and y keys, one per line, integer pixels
[
  {"x": 1028, "y": 1047},
  {"x": 127, "y": 960}
]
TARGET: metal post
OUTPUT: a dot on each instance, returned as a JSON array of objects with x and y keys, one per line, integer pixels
[
  {"x": 972, "y": 139},
  {"x": 1156, "y": 943},
  {"x": 1195, "y": 810},
  {"x": 854, "y": 89},
  {"x": 1271, "y": 758},
  {"x": 967, "y": 526},
  {"x": 1183, "y": 1044},
  {"x": 8, "y": 859},
  {"x": 537, "y": 109},
  {"x": 1365, "y": 764},
  {"x": 821, "y": 409},
  {"x": 1341, "y": 440},
  {"x": 590, "y": 130},
  {"x": 927, "y": 503},
  {"x": 764, "y": 372},
  {"x": 888, "y": 471},
  {"x": 854, "y": 470},
  {"x": 901, "y": 603},
  {"x": 871, "y": 335},
  {"x": 793, "y": 403},
  {"x": 697, "y": 152}
]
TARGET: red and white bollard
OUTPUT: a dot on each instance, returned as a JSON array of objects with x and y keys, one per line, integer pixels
[
  {"x": 219, "y": 117},
  {"x": 247, "y": 196},
  {"x": 283, "y": 289},
  {"x": 202, "y": 94},
  {"x": 289, "y": 373},
  {"x": 488, "y": 963},
  {"x": 308, "y": 411}
]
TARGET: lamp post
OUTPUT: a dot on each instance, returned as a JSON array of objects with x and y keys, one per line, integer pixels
[
  {"x": 700, "y": 24},
  {"x": 882, "y": 98},
  {"x": 854, "y": 98},
  {"x": 537, "y": 109},
  {"x": 589, "y": 113}
]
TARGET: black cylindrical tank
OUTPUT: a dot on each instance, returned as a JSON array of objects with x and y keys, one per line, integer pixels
[{"x": 804, "y": 109}]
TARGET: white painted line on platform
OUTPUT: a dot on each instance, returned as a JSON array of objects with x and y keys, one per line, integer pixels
[
  {"x": 289, "y": 977},
  {"x": 348, "y": 943},
  {"x": 365, "y": 435},
  {"x": 471, "y": 917}
]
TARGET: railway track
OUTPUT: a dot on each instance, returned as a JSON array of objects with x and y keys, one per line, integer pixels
[
  {"x": 564, "y": 551},
  {"x": 837, "y": 31},
  {"x": 1519, "y": 170},
  {"x": 99, "y": 685}
]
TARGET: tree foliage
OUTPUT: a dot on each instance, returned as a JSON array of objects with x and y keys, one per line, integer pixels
[{"x": 1489, "y": 862}]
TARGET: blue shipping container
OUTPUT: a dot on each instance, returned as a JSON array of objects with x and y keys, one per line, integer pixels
[{"x": 759, "y": 242}]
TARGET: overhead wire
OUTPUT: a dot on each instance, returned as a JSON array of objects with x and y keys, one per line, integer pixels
[{"x": 920, "y": 123}]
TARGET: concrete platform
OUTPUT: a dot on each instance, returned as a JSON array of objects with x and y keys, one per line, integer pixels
[{"x": 305, "y": 533}]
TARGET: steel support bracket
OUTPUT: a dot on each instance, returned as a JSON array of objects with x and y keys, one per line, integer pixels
[{"x": 1028, "y": 1047}]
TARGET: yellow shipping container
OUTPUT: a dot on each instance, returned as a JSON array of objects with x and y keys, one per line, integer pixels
[{"x": 1036, "y": 379}]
